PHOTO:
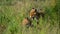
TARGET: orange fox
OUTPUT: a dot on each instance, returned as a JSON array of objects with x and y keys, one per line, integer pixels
[
  {"x": 32, "y": 13},
  {"x": 35, "y": 14}
]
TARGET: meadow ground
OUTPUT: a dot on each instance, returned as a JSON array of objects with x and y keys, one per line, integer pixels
[{"x": 12, "y": 12}]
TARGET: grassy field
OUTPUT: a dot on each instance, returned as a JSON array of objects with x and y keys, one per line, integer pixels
[{"x": 12, "y": 12}]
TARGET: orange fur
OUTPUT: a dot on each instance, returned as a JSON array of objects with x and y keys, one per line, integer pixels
[
  {"x": 25, "y": 21},
  {"x": 32, "y": 13}
]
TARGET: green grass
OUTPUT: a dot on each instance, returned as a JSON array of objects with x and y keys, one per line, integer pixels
[{"x": 12, "y": 12}]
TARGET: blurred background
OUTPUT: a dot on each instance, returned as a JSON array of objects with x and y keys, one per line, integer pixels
[{"x": 12, "y": 12}]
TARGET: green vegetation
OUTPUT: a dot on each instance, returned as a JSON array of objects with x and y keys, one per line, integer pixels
[{"x": 12, "y": 12}]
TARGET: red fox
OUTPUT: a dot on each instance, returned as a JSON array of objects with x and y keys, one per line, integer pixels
[
  {"x": 32, "y": 13},
  {"x": 35, "y": 14}
]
